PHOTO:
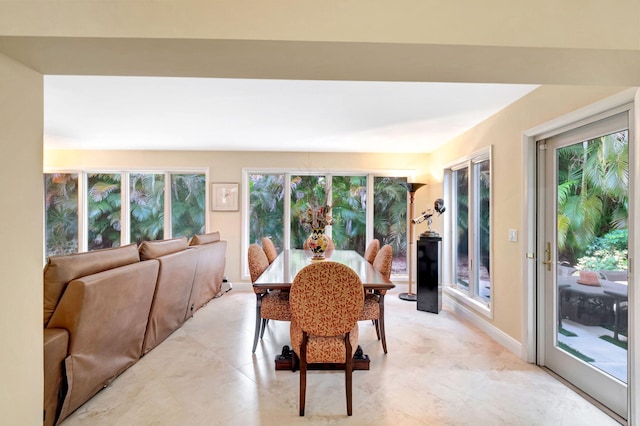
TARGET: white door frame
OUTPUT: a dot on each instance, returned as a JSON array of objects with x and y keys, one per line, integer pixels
[{"x": 529, "y": 296}]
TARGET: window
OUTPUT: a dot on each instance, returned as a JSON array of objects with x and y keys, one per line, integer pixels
[
  {"x": 363, "y": 206},
  {"x": 146, "y": 206},
  {"x": 120, "y": 208},
  {"x": 103, "y": 205},
  {"x": 188, "y": 204},
  {"x": 390, "y": 218},
  {"x": 61, "y": 213},
  {"x": 468, "y": 185},
  {"x": 266, "y": 208}
]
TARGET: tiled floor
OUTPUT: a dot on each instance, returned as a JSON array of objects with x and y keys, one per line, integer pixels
[{"x": 439, "y": 371}]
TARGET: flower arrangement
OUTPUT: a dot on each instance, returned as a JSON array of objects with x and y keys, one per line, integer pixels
[{"x": 316, "y": 217}]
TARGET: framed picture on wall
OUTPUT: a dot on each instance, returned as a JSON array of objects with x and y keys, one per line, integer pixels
[{"x": 224, "y": 197}]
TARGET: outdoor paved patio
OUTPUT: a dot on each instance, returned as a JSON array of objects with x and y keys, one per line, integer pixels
[{"x": 608, "y": 357}]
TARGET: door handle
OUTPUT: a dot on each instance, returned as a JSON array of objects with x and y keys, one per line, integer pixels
[{"x": 547, "y": 257}]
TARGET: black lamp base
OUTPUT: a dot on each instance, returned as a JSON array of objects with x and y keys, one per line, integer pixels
[{"x": 410, "y": 297}]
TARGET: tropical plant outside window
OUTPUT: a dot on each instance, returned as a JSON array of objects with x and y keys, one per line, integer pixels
[
  {"x": 348, "y": 199},
  {"x": 103, "y": 201},
  {"x": 593, "y": 202},
  {"x": 305, "y": 191},
  {"x": 61, "y": 213},
  {"x": 266, "y": 208},
  {"x": 390, "y": 218},
  {"x": 145, "y": 205},
  {"x": 188, "y": 204},
  {"x": 349, "y": 202}
]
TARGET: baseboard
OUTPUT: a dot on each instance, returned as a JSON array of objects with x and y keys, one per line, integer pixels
[{"x": 508, "y": 342}]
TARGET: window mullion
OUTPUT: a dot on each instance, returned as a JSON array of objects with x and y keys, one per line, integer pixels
[{"x": 125, "y": 210}]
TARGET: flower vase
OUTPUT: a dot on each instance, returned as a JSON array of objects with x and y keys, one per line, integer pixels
[{"x": 317, "y": 243}]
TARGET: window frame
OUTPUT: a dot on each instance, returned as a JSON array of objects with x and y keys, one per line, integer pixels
[
  {"x": 328, "y": 174},
  {"x": 125, "y": 237},
  {"x": 468, "y": 297}
]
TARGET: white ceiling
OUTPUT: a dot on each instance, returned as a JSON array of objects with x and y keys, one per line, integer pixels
[{"x": 170, "y": 113}]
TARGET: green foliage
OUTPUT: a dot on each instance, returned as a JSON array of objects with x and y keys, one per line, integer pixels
[
  {"x": 188, "y": 204},
  {"x": 266, "y": 208},
  {"x": 349, "y": 212},
  {"x": 348, "y": 208},
  {"x": 103, "y": 204},
  {"x": 146, "y": 201},
  {"x": 61, "y": 213},
  {"x": 390, "y": 218},
  {"x": 593, "y": 181},
  {"x": 606, "y": 253}
]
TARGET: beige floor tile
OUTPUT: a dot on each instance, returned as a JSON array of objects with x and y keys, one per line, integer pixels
[{"x": 439, "y": 371}]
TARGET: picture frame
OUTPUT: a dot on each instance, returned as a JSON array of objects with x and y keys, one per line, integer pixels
[{"x": 224, "y": 197}]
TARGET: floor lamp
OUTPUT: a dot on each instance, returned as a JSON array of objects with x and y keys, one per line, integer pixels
[{"x": 411, "y": 188}]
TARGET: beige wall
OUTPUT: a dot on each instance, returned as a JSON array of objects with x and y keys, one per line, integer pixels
[
  {"x": 543, "y": 23},
  {"x": 503, "y": 132},
  {"x": 21, "y": 252},
  {"x": 227, "y": 167}
]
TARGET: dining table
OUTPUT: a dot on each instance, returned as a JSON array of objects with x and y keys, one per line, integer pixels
[{"x": 281, "y": 272}]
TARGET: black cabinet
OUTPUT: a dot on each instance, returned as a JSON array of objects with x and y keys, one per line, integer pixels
[{"x": 429, "y": 277}]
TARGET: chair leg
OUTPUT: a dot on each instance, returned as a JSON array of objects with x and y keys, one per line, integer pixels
[
  {"x": 257, "y": 333},
  {"x": 383, "y": 336},
  {"x": 303, "y": 372},
  {"x": 264, "y": 325},
  {"x": 377, "y": 326},
  {"x": 348, "y": 369}
]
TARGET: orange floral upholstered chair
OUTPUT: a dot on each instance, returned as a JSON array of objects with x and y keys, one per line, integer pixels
[
  {"x": 372, "y": 310},
  {"x": 271, "y": 305},
  {"x": 326, "y": 300},
  {"x": 269, "y": 249},
  {"x": 372, "y": 250}
]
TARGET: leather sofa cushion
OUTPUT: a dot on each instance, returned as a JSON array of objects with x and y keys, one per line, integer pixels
[
  {"x": 106, "y": 316},
  {"x": 207, "y": 282},
  {"x": 205, "y": 238},
  {"x": 56, "y": 343},
  {"x": 60, "y": 270},
  {"x": 155, "y": 249}
]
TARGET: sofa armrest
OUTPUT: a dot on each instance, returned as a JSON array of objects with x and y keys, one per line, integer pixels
[
  {"x": 56, "y": 343},
  {"x": 106, "y": 317}
]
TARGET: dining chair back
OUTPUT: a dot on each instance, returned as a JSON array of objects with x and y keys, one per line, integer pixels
[
  {"x": 373, "y": 302},
  {"x": 384, "y": 260},
  {"x": 272, "y": 305},
  {"x": 258, "y": 261},
  {"x": 326, "y": 300},
  {"x": 372, "y": 250},
  {"x": 269, "y": 249}
]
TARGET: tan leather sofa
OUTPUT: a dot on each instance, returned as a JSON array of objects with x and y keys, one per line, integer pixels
[
  {"x": 104, "y": 309},
  {"x": 173, "y": 287},
  {"x": 207, "y": 282}
]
